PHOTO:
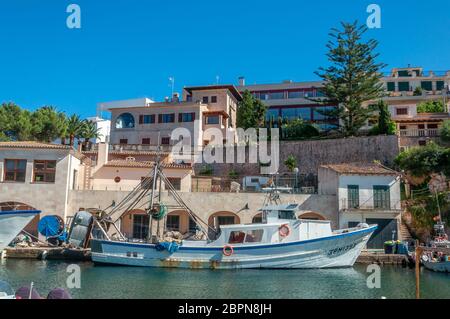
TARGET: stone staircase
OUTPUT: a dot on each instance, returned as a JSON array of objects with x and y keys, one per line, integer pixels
[{"x": 405, "y": 234}]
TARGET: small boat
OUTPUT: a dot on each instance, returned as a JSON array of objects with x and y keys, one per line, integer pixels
[
  {"x": 438, "y": 261},
  {"x": 6, "y": 291},
  {"x": 12, "y": 222},
  {"x": 280, "y": 241}
]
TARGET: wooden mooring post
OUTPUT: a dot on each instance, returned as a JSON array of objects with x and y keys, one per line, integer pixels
[{"x": 418, "y": 257}]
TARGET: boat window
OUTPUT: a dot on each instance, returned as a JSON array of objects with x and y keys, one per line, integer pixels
[
  {"x": 236, "y": 237},
  {"x": 254, "y": 236},
  {"x": 286, "y": 214}
]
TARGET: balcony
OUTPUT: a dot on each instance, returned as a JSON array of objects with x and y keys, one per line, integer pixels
[
  {"x": 132, "y": 148},
  {"x": 419, "y": 133}
]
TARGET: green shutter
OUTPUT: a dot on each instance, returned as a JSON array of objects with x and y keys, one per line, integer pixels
[
  {"x": 391, "y": 86},
  {"x": 353, "y": 196},
  {"x": 381, "y": 197},
  {"x": 403, "y": 86},
  {"x": 427, "y": 85}
]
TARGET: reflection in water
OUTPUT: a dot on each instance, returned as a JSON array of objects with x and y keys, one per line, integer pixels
[{"x": 123, "y": 282}]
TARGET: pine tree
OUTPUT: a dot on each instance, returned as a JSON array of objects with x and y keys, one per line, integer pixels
[
  {"x": 251, "y": 112},
  {"x": 353, "y": 78}
]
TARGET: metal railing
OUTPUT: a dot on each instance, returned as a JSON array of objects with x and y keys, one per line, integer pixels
[
  {"x": 132, "y": 147},
  {"x": 419, "y": 133},
  {"x": 370, "y": 205},
  {"x": 285, "y": 185}
]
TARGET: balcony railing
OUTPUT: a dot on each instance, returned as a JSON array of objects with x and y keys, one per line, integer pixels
[
  {"x": 369, "y": 205},
  {"x": 133, "y": 147},
  {"x": 419, "y": 133}
]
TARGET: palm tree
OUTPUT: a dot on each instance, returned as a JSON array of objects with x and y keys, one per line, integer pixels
[
  {"x": 89, "y": 131},
  {"x": 74, "y": 128},
  {"x": 63, "y": 132}
]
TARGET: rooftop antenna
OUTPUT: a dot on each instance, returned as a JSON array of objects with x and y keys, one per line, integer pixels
[{"x": 217, "y": 79}]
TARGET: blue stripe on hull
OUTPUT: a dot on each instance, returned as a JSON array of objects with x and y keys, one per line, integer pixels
[
  {"x": 20, "y": 212},
  {"x": 330, "y": 252}
]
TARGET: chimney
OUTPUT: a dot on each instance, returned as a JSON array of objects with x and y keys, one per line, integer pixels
[
  {"x": 102, "y": 155},
  {"x": 241, "y": 81}
]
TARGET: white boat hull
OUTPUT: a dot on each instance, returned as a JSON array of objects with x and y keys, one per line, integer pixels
[
  {"x": 340, "y": 250},
  {"x": 12, "y": 223}
]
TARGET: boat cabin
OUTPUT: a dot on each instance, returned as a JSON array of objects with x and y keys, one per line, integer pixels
[{"x": 279, "y": 224}]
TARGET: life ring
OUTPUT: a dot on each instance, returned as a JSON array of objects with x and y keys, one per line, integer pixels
[
  {"x": 228, "y": 250},
  {"x": 284, "y": 231}
]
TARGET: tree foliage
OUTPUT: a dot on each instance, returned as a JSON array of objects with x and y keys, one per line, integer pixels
[
  {"x": 298, "y": 129},
  {"x": 353, "y": 78},
  {"x": 45, "y": 124},
  {"x": 385, "y": 123},
  {"x": 15, "y": 124},
  {"x": 290, "y": 163},
  {"x": 425, "y": 160},
  {"x": 430, "y": 107},
  {"x": 251, "y": 112},
  {"x": 445, "y": 131}
]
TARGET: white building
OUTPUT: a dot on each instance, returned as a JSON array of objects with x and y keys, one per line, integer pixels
[
  {"x": 365, "y": 193},
  {"x": 103, "y": 127}
]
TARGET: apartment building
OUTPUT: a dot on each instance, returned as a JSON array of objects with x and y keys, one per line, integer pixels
[
  {"x": 406, "y": 88},
  {"x": 146, "y": 126},
  {"x": 292, "y": 100}
]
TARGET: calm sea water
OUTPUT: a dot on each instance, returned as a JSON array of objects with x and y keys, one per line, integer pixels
[{"x": 123, "y": 282}]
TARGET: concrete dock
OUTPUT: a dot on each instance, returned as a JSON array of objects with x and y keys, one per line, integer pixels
[
  {"x": 380, "y": 258},
  {"x": 48, "y": 253}
]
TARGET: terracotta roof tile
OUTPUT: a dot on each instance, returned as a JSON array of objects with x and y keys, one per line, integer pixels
[
  {"x": 33, "y": 145},
  {"x": 359, "y": 169},
  {"x": 143, "y": 164}
]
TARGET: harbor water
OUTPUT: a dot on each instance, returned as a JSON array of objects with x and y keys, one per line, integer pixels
[{"x": 125, "y": 282}]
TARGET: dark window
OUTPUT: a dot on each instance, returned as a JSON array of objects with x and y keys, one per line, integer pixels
[
  {"x": 432, "y": 126},
  {"x": 165, "y": 141},
  {"x": 140, "y": 226},
  {"x": 192, "y": 225},
  {"x": 257, "y": 219},
  {"x": 403, "y": 86},
  {"x": 381, "y": 197},
  {"x": 125, "y": 120},
  {"x": 213, "y": 99},
  {"x": 44, "y": 171},
  {"x": 15, "y": 170},
  {"x": 176, "y": 182},
  {"x": 145, "y": 141},
  {"x": 236, "y": 237},
  {"x": 422, "y": 143},
  {"x": 391, "y": 86},
  {"x": 402, "y": 111},
  {"x": 123, "y": 141},
  {"x": 205, "y": 99},
  {"x": 225, "y": 220},
  {"x": 146, "y": 119},
  {"x": 254, "y": 236},
  {"x": 404, "y": 73},
  {"x": 173, "y": 223},
  {"x": 186, "y": 117},
  {"x": 166, "y": 118},
  {"x": 353, "y": 196},
  {"x": 440, "y": 85},
  {"x": 286, "y": 214},
  {"x": 427, "y": 85},
  {"x": 212, "y": 120},
  {"x": 189, "y": 98}
]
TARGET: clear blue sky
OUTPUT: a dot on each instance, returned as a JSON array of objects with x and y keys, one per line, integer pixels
[{"x": 129, "y": 48}]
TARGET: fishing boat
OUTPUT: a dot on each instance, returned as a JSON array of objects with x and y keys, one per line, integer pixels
[
  {"x": 12, "y": 222},
  {"x": 281, "y": 241},
  {"x": 438, "y": 261}
]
